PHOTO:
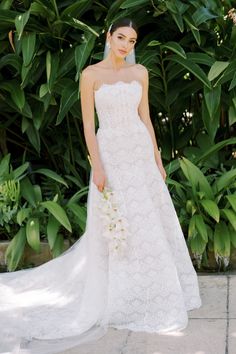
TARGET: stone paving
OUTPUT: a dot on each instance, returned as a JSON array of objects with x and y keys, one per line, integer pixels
[{"x": 211, "y": 329}]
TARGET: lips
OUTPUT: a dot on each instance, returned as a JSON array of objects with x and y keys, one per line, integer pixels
[{"x": 122, "y": 51}]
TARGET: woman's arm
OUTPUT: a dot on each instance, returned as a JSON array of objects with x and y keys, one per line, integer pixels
[
  {"x": 87, "y": 108},
  {"x": 144, "y": 114}
]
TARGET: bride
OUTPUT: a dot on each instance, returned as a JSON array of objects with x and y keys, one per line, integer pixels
[{"x": 131, "y": 267}]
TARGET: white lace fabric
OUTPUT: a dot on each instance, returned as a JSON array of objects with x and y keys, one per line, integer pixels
[{"x": 74, "y": 298}]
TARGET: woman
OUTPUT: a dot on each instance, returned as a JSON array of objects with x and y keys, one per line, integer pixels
[
  {"x": 131, "y": 268},
  {"x": 155, "y": 283}
]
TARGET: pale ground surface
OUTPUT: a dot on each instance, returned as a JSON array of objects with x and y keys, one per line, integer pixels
[{"x": 211, "y": 329}]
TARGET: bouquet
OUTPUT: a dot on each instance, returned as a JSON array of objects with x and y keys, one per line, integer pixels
[{"x": 115, "y": 225}]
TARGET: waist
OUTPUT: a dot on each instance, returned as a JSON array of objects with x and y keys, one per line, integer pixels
[{"x": 135, "y": 124}]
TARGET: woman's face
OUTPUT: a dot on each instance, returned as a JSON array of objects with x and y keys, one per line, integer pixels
[{"x": 122, "y": 41}]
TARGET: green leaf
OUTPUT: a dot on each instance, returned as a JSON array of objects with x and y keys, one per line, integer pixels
[
  {"x": 196, "y": 178},
  {"x": 52, "y": 230},
  {"x": 20, "y": 22},
  {"x": 68, "y": 98},
  {"x": 192, "y": 227},
  {"x": 43, "y": 90},
  {"x": 197, "y": 245},
  {"x": 48, "y": 65},
  {"x": 200, "y": 58},
  {"x": 232, "y": 200},
  {"x": 5, "y": 165},
  {"x": 78, "y": 195},
  {"x": 225, "y": 180},
  {"x": 51, "y": 174},
  {"x": 193, "y": 28},
  {"x": 227, "y": 74},
  {"x": 20, "y": 170},
  {"x": 32, "y": 234},
  {"x": 38, "y": 193},
  {"x": 77, "y": 9},
  {"x": 176, "y": 14},
  {"x": 59, "y": 213},
  {"x": 18, "y": 97},
  {"x": 153, "y": 43},
  {"x": 176, "y": 48},
  {"x": 82, "y": 52},
  {"x": 131, "y": 3},
  {"x": 17, "y": 94},
  {"x": 22, "y": 215},
  {"x": 6, "y": 4},
  {"x": 202, "y": 14},
  {"x": 222, "y": 240},
  {"x": 201, "y": 227},
  {"x": 79, "y": 212},
  {"x": 15, "y": 249},
  {"x": 212, "y": 99},
  {"x": 211, "y": 208},
  {"x": 233, "y": 237},
  {"x": 52, "y": 65},
  {"x": 214, "y": 149},
  {"x": 33, "y": 136},
  {"x": 27, "y": 191},
  {"x": 58, "y": 246},
  {"x": 232, "y": 115},
  {"x": 28, "y": 47},
  {"x": 193, "y": 68},
  {"x": 233, "y": 82},
  {"x": 231, "y": 216},
  {"x": 217, "y": 68},
  {"x": 12, "y": 60},
  {"x": 42, "y": 10},
  {"x": 80, "y": 25}
]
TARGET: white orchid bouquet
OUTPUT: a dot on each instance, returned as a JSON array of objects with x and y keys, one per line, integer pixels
[{"x": 115, "y": 225}]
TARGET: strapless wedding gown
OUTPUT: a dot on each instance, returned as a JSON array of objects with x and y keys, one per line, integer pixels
[{"x": 77, "y": 296}]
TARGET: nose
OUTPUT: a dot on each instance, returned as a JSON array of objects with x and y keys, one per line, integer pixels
[{"x": 125, "y": 45}]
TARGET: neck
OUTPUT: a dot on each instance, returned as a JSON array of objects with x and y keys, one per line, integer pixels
[{"x": 115, "y": 62}]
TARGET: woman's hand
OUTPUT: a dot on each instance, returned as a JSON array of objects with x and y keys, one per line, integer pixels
[{"x": 99, "y": 178}]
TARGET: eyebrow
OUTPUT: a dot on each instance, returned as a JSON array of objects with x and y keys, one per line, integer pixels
[{"x": 125, "y": 36}]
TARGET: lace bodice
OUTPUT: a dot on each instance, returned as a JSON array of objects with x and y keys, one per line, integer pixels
[{"x": 121, "y": 109}]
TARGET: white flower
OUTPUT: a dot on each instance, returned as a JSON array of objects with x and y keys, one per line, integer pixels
[{"x": 115, "y": 225}]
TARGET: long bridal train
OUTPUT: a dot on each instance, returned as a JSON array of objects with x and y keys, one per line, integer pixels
[{"x": 59, "y": 304}]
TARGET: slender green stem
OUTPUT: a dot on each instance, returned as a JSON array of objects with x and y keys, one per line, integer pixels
[
  {"x": 168, "y": 108},
  {"x": 56, "y": 9}
]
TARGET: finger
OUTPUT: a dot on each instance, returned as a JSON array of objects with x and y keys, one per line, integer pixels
[{"x": 101, "y": 188}]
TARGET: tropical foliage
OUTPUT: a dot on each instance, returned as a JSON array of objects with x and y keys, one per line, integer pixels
[
  {"x": 28, "y": 214},
  {"x": 189, "y": 49}
]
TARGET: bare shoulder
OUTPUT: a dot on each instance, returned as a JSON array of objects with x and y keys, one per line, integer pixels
[
  {"x": 88, "y": 75},
  {"x": 141, "y": 72},
  {"x": 141, "y": 67},
  {"x": 91, "y": 72},
  {"x": 88, "y": 71},
  {"x": 92, "y": 68}
]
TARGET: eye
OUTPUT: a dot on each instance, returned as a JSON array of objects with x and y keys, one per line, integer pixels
[
  {"x": 120, "y": 37},
  {"x": 133, "y": 42}
]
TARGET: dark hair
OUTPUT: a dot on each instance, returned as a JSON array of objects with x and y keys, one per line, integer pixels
[{"x": 123, "y": 22}]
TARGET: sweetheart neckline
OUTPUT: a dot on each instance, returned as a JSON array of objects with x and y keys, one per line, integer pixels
[{"x": 119, "y": 82}]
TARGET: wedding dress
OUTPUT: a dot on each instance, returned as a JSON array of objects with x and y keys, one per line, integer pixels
[{"x": 75, "y": 297}]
